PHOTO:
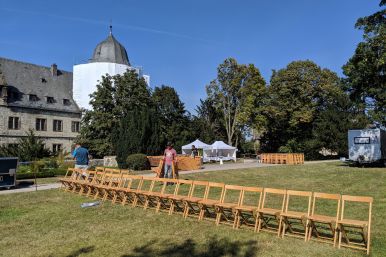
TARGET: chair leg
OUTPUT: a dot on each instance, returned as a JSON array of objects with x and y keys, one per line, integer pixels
[
  {"x": 306, "y": 232},
  {"x": 279, "y": 229},
  {"x": 340, "y": 235}
]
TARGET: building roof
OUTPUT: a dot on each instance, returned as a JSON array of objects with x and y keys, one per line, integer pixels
[
  {"x": 110, "y": 50},
  {"x": 24, "y": 80}
]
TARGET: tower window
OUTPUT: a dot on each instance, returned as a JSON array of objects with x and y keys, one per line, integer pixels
[
  {"x": 50, "y": 100},
  {"x": 66, "y": 102},
  {"x": 33, "y": 98}
]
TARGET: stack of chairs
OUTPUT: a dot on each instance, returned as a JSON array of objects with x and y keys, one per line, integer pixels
[{"x": 281, "y": 211}]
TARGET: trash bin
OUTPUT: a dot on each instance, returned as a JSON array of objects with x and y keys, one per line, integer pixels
[{"x": 8, "y": 166}]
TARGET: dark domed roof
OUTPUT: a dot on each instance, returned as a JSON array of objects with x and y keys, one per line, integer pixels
[{"x": 110, "y": 50}]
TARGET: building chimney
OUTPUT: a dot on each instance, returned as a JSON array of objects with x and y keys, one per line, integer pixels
[{"x": 54, "y": 70}]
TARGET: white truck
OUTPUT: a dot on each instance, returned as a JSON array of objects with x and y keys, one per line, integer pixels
[{"x": 367, "y": 146}]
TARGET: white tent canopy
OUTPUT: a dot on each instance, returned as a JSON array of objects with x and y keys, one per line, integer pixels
[
  {"x": 197, "y": 143},
  {"x": 220, "y": 150}
]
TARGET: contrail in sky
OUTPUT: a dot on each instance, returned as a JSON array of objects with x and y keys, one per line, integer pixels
[{"x": 98, "y": 22}]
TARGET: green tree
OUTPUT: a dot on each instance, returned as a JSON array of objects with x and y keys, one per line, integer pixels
[
  {"x": 98, "y": 122},
  {"x": 137, "y": 132},
  {"x": 366, "y": 69},
  {"x": 174, "y": 119},
  {"x": 208, "y": 124},
  {"x": 28, "y": 148},
  {"x": 302, "y": 96},
  {"x": 114, "y": 98},
  {"x": 238, "y": 93}
]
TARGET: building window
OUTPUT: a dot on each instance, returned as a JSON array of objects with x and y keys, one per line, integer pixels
[
  {"x": 56, "y": 148},
  {"x": 50, "y": 100},
  {"x": 33, "y": 98},
  {"x": 13, "y": 123},
  {"x": 75, "y": 126},
  {"x": 57, "y": 125},
  {"x": 41, "y": 125},
  {"x": 66, "y": 102}
]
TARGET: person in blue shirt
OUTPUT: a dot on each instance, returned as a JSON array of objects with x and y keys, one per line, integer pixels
[{"x": 80, "y": 155}]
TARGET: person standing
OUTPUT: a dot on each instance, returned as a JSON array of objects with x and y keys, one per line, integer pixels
[
  {"x": 169, "y": 157},
  {"x": 194, "y": 151},
  {"x": 80, "y": 155}
]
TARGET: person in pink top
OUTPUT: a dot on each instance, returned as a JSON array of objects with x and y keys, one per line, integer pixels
[{"x": 169, "y": 156}]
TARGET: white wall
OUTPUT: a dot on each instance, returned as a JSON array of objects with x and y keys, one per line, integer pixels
[{"x": 86, "y": 77}]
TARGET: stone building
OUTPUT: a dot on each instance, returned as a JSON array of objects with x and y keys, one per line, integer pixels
[{"x": 38, "y": 98}]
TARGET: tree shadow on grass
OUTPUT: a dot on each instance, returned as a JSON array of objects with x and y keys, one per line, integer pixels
[
  {"x": 189, "y": 248},
  {"x": 82, "y": 250}
]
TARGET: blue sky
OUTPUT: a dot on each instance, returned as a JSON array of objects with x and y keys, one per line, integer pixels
[{"x": 181, "y": 43}]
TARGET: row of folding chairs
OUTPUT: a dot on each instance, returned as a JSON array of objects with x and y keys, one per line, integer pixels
[{"x": 285, "y": 212}]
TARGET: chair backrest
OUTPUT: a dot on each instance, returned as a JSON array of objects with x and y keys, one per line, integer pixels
[
  {"x": 147, "y": 184},
  {"x": 215, "y": 191},
  {"x": 252, "y": 196},
  {"x": 100, "y": 169},
  {"x": 232, "y": 194},
  {"x": 279, "y": 195},
  {"x": 112, "y": 171},
  {"x": 125, "y": 171},
  {"x": 359, "y": 199},
  {"x": 166, "y": 185},
  {"x": 333, "y": 199},
  {"x": 184, "y": 187},
  {"x": 133, "y": 181},
  {"x": 115, "y": 180},
  {"x": 199, "y": 189},
  {"x": 306, "y": 195}
]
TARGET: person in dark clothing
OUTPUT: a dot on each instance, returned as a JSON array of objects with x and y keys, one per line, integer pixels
[
  {"x": 80, "y": 155},
  {"x": 194, "y": 151}
]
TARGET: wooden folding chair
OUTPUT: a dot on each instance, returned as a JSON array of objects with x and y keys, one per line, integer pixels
[
  {"x": 182, "y": 191},
  {"x": 214, "y": 195},
  {"x": 230, "y": 199},
  {"x": 269, "y": 210},
  {"x": 97, "y": 179},
  {"x": 99, "y": 169},
  {"x": 85, "y": 184},
  {"x": 99, "y": 189},
  {"x": 68, "y": 179},
  {"x": 296, "y": 216},
  {"x": 198, "y": 193},
  {"x": 110, "y": 190},
  {"x": 125, "y": 182},
  {"x": 363, "y": 225},
  {"x": 140, "y": 195},
  {"x": 246, "y": 212},
  {"x": 157, "y": 198},
  {"x": 326, "y": 221},
  {"x": 127, "y": 192}
]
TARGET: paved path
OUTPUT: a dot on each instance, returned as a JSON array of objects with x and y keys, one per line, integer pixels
[{"x": 207, "y": 168}]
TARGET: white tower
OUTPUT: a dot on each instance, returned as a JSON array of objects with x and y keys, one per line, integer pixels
[{"x": 109, "y": 57}]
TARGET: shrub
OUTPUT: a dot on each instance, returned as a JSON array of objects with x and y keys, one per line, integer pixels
[{"x": 138, "y": 162}]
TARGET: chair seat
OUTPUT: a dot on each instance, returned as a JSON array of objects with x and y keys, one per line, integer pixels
[
  {"x": 322, "y": 218},
  {"x": 209, "y": 202},
  {"x": 227, "y": 205},
  {"x": 269, "y": 211},
  {"x": 294, "y": 214},
  {"x": 193, "y": 199},
  {"x": 176, "y": 197},
  {"x": 166, "y": 196},
  {"x": 359, "y": 223},
  {"x": 249, "y": 208}
]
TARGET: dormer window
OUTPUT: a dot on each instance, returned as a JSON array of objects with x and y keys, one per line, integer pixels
[
  {"x": 50, "y": 100},
  {"x": 33, "y": 98},
  {"x": 66, "y": 102}
]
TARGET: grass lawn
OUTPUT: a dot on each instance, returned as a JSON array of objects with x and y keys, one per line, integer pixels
[{"x": 51, "y": 223}]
